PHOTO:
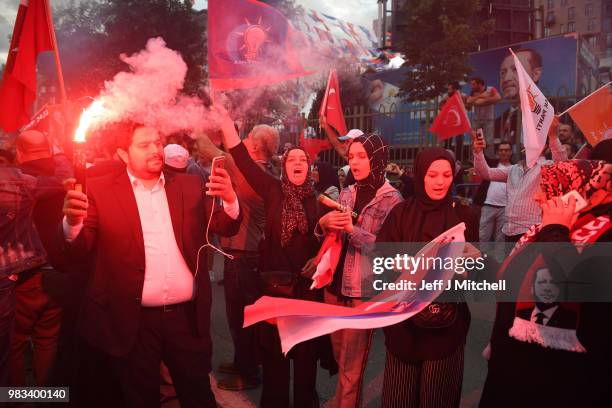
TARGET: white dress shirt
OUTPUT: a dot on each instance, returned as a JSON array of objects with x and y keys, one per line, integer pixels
[
  {"x": 168, "y": 279},
  {"x": 497, "y": 195}
]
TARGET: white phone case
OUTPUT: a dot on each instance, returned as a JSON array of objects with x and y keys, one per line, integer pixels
[{"x": 580, "y": 202}]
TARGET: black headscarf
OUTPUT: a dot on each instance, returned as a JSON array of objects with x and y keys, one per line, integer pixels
[
  {"x": 293, "y": 215},
  {"x": 378, "y": 153},
  {"x": 429, "y": 218},
  {"x": 328, "y": 177}
]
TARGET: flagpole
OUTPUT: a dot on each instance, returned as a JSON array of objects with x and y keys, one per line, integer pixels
[
  {"x": 324, "y": 101},
  {"x": 58, "y": 64},
  {"x": 585, "y": 98}
]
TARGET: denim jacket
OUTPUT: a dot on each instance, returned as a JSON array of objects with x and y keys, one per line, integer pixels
[
  {"x": 358, "y": 270},
  {"x": 20, "y": 245}
]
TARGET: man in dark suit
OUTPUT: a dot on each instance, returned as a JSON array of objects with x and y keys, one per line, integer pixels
[
  {"x": 147, "y": 300},
  {"x": 547, "y": 311}
]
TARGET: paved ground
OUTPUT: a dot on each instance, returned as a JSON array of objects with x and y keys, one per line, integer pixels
[{"x": 474, "y": 374}]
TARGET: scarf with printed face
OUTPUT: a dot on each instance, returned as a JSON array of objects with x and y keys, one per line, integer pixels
[
  {"x": 552, "y": 324},
  {"x": 584, "y": 176},
  {"x": 378, "y": 152},
  {"x": 293, "y": 216}
]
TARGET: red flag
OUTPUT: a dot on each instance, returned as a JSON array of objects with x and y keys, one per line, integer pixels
[
  {"x": 593, "y": 115},
  {"x": 313, "y": 146},
  {"x": 250, "y": 44},
  {"x": 31, "y": 36},
  {"x": 331, "y": 106},
  {"x": 452, "y": 119}
]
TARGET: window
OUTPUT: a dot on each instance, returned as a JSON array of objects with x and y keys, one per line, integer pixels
[
  {"x": 546, "y": 32},
  {"x": 571, "y": 13},
  {"x": 593, "y": 42},
  {"x": 609, "y": 39},
  {"x": 562, "y": 29},
  {"x": 588, "y": 10},
  {"x": 591, "y": 26},
  {"x": 563, "y": 3},
  {"x": 571, "y": 27},
  {"x": 550, "y": 4},
  {"x": 550, "y": 18}
]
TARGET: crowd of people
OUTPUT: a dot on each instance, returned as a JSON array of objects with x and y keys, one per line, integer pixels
[{"x": 110, "y": 285}]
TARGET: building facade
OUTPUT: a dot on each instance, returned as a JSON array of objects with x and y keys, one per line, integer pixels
[{"x": 592, "y": 19}]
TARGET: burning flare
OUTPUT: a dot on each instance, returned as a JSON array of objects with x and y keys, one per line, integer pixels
[{"x": 87, "y": 118}]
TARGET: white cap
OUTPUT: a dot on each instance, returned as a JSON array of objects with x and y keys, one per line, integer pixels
[
  {"x": 176, "y": 156},
  {"x": 352, "y": 134}
]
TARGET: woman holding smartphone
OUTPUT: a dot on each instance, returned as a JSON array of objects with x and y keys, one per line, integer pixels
[{"x": 288, "y": 249}]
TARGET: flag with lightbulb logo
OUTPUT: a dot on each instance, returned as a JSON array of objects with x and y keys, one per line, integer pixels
[{"x": 250, "y": 44}]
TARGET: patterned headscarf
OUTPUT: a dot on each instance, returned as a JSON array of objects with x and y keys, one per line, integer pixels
[
  {"x": 293, "y": 216},
  {"x": 378, "y": 153},
  {"x": 584, "y": 176}
]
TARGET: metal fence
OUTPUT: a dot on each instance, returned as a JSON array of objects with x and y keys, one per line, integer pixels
[{"x": 415, "y": 122}]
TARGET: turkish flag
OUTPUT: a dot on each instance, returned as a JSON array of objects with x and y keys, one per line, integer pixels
[
  {"x": 313, "y": 146},
  {"x": 452, "y": 119},
  {"x": 31, "y": 36},
  {"x": 331, "y": 106},
  {"x": 250, "y": 44}
]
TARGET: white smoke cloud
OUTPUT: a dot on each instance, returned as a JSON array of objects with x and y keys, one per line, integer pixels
[{"x": 150, "y": 93}]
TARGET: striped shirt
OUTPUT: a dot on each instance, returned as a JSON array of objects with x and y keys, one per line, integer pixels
[{"x": 522, "y": 210}]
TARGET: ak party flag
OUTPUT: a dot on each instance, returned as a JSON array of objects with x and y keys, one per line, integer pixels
[
  {"x": 250, "y": 44},
  {"x": 593, "y": 115},
  {"x": 537, "y": 114}
]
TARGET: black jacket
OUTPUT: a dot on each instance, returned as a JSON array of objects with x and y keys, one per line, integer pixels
[{"x": 112, "y": 238}]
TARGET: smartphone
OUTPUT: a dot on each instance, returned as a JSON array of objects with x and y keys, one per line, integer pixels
[
  {"x": 580, "y": 202},
  {"x": 480, "y": 134},
  {"x": 217, "y": 163}
]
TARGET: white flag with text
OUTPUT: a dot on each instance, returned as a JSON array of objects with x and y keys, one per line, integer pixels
[{"x": 537, "y": 114}]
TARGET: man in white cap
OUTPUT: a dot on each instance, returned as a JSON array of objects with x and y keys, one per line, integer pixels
[
  {"x": 176, "y": 158},
  {"x": 339, "y": 142}
]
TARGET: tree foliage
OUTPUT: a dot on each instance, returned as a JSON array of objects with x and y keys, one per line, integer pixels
[
  {"x": 351, "y": 92},
  {"x": 437, "y": 36},
  {"x": 92, "y": 34}
]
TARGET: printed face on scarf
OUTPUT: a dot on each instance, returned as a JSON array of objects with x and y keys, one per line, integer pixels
[
  {"x": 545, "y": 289},
  {"x": 296, "y": 166},
  {"x": 359, "y": 161},
  {"x": 438, "y": 179}
]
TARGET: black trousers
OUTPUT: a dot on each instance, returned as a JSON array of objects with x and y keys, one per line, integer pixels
[
  {"x": 277, "y": 374},
  {"x": 241, "y": 281},
  {"x": 166, "y": 333},
  {"x": 7, "y": 317},
  {"x": 425, "y": 384}
]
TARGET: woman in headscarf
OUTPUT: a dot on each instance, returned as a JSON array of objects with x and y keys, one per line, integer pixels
[
  {"x": 289, "y": 246},
  {"x": 326, "y": 180},
  {"x": 424, "y": 365},
  {"x": 372, "y": 198},
  {"x": 552, "y": 335}
]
